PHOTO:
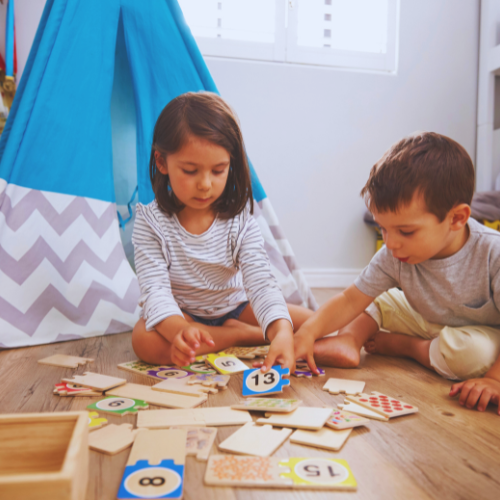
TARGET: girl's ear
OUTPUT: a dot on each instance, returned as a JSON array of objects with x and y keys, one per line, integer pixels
[{"x": 161, "y": 163}]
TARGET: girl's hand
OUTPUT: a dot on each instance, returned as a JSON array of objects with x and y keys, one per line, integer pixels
[
  {"x": 185, "y": 343},
  {"x": 280, "y": 352},
  {"x": 480, "y": 391},
  {"x": 304, "y": 349}
]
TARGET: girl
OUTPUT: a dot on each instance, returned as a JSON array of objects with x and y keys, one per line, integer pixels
[{"x": 205, "y": 278}]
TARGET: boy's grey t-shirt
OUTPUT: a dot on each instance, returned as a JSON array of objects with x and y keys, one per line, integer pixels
[{"x": 460, "y": 290}]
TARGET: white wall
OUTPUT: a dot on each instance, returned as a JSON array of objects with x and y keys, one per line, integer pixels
[{"x": 314, "y": 133}]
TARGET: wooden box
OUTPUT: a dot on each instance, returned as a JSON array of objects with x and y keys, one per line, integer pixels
[{"x": 44, "y": 456}]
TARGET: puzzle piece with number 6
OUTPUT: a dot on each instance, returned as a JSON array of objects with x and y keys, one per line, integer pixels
[
  {"x": 256, "y": 383},
  {"x": 119, "y": 406},
  {"x": 383, "y": 405},
  {"x": 226, "y": 364},
  {"x": 156, "y": 372}
]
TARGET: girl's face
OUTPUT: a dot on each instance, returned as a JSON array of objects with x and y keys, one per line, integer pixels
[{"x": 198, "y": 172}]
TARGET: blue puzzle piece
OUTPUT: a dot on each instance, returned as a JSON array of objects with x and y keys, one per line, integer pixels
[
  {"x": 256, "y": 383},
  {"x": 143, "y": 480}
]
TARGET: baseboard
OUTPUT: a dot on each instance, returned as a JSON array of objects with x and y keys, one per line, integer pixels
[{"x": 330, "y": 277}]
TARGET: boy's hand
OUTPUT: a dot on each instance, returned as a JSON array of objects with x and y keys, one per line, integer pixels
[
  {"x": 480, "y": 391},
  {"x": 304, "y": 349},
  {"x": 185, "y": 343},
  {"x": 280, "y": 352}
]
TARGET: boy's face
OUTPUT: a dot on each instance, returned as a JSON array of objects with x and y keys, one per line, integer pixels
[{"x": 415, "y": 235}]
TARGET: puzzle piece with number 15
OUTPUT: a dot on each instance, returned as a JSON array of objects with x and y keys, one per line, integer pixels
[{"x": 256, "y": 383}]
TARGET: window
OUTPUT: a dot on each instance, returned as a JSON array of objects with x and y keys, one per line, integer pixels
[{"x": 359, "y": 34}]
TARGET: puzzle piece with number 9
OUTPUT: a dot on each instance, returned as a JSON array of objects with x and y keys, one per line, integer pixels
[
  {"x": 118, "y": 406},
  {"x": 257, "y": 383}
]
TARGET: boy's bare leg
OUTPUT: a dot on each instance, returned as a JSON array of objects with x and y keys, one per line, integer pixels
[
  {"x": 298, "y": 314},
  {"x": 398, "y": 344},
  {"x": 342, "y": 351}
]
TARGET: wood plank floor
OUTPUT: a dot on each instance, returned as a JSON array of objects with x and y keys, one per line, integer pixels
[{"x": 443, "y": 452}]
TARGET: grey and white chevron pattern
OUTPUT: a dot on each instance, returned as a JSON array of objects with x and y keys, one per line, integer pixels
[{"x": 63, "y": 271}]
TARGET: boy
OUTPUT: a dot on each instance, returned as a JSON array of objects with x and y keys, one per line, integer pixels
[{"x": 448, "y": 267}]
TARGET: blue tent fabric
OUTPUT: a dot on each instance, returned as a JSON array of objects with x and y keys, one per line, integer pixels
[{"x": 63, "y": 271}]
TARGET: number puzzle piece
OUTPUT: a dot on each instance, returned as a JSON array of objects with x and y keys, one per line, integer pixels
[
  {"x": 302, "y": 370},
  {"x": 181, "y": 386},
  {"x": 156, "y": 372},
  {"x": 96, "y": 381},
  {"x": 113, "y": 438},
  {"x": 338, "y": 385},
  {"x": 200, "y": 366},
  {"x": 324, "y": 438},
  {"x": 268, "y": 404},
  {"x": 226, "y": 364},
  {"x": 155, "y": 467},
  {"x": 119, "y": 406},
  {"x": 69, "y": 389},
  {"x": 95, "y": 422},
  {"x": 302, "y": 418},
  {"x": 210, "y": 380},
  {"x": 65, "y": 361},
  {"x": 256, "y": 383},
  {"x": 199, "y": 441},
  {"x": 319, "y": 473},
  {"x": 384, "y": 405},
  {"x": 341, "y": 419},
  {"x": 361, "y": 411}
]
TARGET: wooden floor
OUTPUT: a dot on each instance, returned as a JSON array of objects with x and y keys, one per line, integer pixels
[{"x": 442, "y": 452}]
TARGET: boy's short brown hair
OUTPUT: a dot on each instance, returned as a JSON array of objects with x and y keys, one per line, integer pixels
[
  {"x": 205, "y": 115},
  {"x": 427, "y": 163}
]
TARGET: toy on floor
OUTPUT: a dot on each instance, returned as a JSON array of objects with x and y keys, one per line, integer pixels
[
  {"x": 96, "y": 381},
  {"x": 199, "y": 441},
  {"x": 302, "y": 370},
  {"x": 302, "y": 418},
  {"x": 210, "y": 380},
  {"x": 146, "y": 393},
  {"x": 182, "y": 386},
  {"x": 256, "y": 383},
  {"x": 200, "y": 365},
  {"x": 155, "y": 467},
  {"x": 248, "y": 352},
  {"x": 324, "y": 438},
  {"x": 338, "y": 385},
  {"x": 156, "y": 372},
  {"x": 112, "y": 439},
  {"x": 206, "y": 417},
  {"x": 226, "y": 364},
  {"x": 268, "y": 405},
  {"x": 274, "y": 472},
  {"x": 341, "y": 419},
  {"x": 351, "y": 407},
  {"x": 65, "y": 361},
  {"x": 119, "y": 406},
  {"x": 95, "y": 422},
  {"x": 253, "y": 439},
  {"x": 384, "y": 405},
  {"x": 69, "y": 389}
]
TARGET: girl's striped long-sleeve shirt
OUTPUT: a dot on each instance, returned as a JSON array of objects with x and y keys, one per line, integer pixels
[{"x": 207, "y": 275}]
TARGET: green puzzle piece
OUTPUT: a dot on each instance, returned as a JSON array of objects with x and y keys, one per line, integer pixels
[{"x": 118, "y": 406}]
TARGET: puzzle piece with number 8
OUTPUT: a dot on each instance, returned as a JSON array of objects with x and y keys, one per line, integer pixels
[
  {"x": 383, "y": 405},
  {"x": 119, "y": 406},
  {"x": 256, "y": 383},
  {"x": 226, "y": 363}
]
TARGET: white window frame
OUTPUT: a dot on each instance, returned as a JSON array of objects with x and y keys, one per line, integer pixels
[{"x": 285, "y": 49}]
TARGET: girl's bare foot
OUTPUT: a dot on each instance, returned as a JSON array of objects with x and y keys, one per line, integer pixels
[
  {"x": 248, "y": 335},
  {"x": 340, "y": 351}
]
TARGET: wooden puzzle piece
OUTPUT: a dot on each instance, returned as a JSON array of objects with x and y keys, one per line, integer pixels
[
  {"x": 112, "y": 439},
  {"x": 69, "y": 389},
  {"x": 198, "y": 417},
  {"x": 302, "y": 418},
  {"x": 302, "y": 370},
  {"x": 341, "y": 419},
  {"x": 156, "y": 372},
  {"x": 119, "y": 406},
  {"x": 273, "y": 472},
  {"x": 324, "y": 438},
  {"x": 65, "y": 361},
  {"x": 181, "y": 386},
  {"x": 338, "y": 385},
  {"x": 96, "y": 381},
  {"x": 247, "y": 352},
  {"x": 268, "y": 405},
  {"x": 145, "y": 393},
  {"x": 226, "y": 364},
  {"x": 361, "y": 411},
  {"x": 155, "y": 467},
  {"x": 210, "y": 380},
  {"x": 95, "y": 422},
  {"x": 199, "y": 441},
  {"x": 384, "y": 405},
  {"x": 256, "y": 383},
  {"x": 200, "y": 365},
  {"x": 253, "y": 439}
]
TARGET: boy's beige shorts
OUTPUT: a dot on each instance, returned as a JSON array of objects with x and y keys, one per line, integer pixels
[{"x": 457, "y": 353}]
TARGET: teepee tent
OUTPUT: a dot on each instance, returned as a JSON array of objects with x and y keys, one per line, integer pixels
[{"x": 63, "y": 269}]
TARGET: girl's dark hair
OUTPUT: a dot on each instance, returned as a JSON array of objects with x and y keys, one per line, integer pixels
[{"x": 204, "y": 115}]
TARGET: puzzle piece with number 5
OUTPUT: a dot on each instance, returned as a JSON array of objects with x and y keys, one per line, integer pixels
[
  {"x": 256, "y": 383},
  {"x": 226, "y": 364},
  {"x": 119, "y": 406}
]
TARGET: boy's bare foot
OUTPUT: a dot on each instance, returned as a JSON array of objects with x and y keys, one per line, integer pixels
[{"x": 340, "y": 351}]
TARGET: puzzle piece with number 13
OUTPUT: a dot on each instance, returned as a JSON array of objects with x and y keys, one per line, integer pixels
[{"x": 256, "y": 383}]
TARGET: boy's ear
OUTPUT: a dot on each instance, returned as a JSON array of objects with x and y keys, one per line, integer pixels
[
  {"x": 459, "y": 216},
  {"x": 161, "y": 163}
]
